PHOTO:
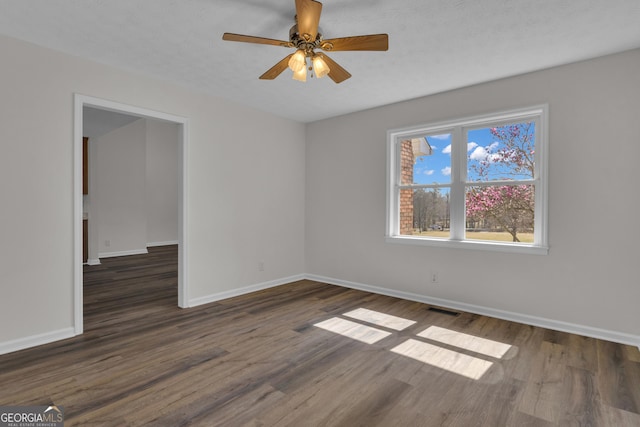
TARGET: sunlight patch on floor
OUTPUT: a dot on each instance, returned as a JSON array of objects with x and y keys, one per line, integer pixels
[
  {"x": 452, "y": 361},
  {"x": 468, "y": 342},
  {"x": 434, "y": 352},
  {"x": 380, "y": 319},
  {"x": 353, "y": 330}
]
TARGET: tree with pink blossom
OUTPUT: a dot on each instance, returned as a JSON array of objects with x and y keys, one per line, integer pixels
[{"x": 503, "y": 207}]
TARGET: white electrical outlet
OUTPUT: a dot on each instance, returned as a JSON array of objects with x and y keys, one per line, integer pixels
[
  {"x": 261, "y": 266},
  {"x": 434, "y": 277},
  {"x": 107, "y": 243}
]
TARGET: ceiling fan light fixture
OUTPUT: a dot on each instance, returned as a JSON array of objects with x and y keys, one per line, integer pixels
[
  {"x": 305, "y": 38},
  {"x": 300, "y": 75},
  {"x": 298, "y": 61},
  {"x": 320, "y": 67}
]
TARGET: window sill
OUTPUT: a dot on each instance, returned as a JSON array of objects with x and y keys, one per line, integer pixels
[{"x": 470, "y": 244}]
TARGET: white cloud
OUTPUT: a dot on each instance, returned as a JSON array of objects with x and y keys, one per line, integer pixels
[
  {"x": 443, "y": 136},
  {"x": 480, "y": 153},
  {"x": 446, "y": 171},
  {"x": 484, "y": 153},
  {"x": 447, "y": 149},
  {"x": 428, "y": 172},
  {"x": 471, "y": 146}
]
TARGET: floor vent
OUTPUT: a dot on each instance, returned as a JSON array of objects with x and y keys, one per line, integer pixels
[{"x": 444, "y": 311}]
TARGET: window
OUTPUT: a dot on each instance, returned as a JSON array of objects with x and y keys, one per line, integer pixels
[{"x": 478, "y": 182}]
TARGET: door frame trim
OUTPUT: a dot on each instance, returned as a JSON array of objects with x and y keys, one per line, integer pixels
[{"x": 79, "y": 102}]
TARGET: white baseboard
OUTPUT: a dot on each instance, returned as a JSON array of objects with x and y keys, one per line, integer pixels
[
  {"x": 241, "y": 291},
  {"x": 619, "y": 337},
  {"x": 35, "y": 340},
  {"x": 123, "y": 253},
  {"x": 91, "y": 261},
  {"x": 167, "y": 243}
]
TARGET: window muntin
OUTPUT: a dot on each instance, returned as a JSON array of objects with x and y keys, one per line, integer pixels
[{"x": 480, "y": 180}]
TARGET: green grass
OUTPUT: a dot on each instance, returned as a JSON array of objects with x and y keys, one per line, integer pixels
[{"x": 481, "y": 235}]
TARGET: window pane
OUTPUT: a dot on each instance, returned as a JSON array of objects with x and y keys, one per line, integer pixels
[
  {"x": 424, "y": 212},
  {"x": 426, "y": 160},
  {"x": 500, "y": 213},
  {"x": 501, "y": 153}
]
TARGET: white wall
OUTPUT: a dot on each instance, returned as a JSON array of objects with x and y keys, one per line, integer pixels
[
  {"x": 162, "y": 179},
  {"x": 228, "y": 231},
  {"x": 120, "y": 190},
  {"x": 134, "y": 178},
  {"x": 589, "y": 277},
  {"x": 135, "y": 187}
]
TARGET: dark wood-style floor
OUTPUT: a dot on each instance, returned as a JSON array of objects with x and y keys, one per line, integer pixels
[{"x": 259, "y": 360}]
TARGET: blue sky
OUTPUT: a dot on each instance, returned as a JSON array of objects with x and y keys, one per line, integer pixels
[{"x": 436, "y": 168}]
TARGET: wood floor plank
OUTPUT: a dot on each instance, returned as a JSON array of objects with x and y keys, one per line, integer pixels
[
  {"x": 615, "y": 417},
  {"x": 580, "y": 398},
  {"x": 260, "y": 360},
  {"x": 543, "y": 394},
  {"x": 527, "y": 343},
  {"x": 499, "y": 405},
  {"x": 617, "y": 378},
  {"x": 632, "y": 353},
  {"x": 582, "y": 353},
  {"x": 374, "y": 404}
]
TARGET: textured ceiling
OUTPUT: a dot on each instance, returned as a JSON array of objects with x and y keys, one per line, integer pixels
[{"x": 434, "y": 45}]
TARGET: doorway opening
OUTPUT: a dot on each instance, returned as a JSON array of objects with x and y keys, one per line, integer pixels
[{"x": 80, "y": 102}]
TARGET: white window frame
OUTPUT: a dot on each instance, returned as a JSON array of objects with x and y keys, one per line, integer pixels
[{"x": 458, "y": 129}]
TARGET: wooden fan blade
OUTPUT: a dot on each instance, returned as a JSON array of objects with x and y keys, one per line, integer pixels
[
  {"x": 308, "y": 16},
  {"x": 275, "y": 71},
  {"x": 252, "y": 39},
  {"x": 336, "y": 72},
  {"x": 368, "y": 42}
]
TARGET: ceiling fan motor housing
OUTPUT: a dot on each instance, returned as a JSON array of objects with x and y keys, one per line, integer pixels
[{"x": 304, "y": 42}]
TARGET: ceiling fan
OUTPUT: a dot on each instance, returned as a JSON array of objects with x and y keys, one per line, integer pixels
[{"x": 305, "y": 38}]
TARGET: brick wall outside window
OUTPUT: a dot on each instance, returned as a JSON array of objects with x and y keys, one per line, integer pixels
[{"x": 406, "y": 195}]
